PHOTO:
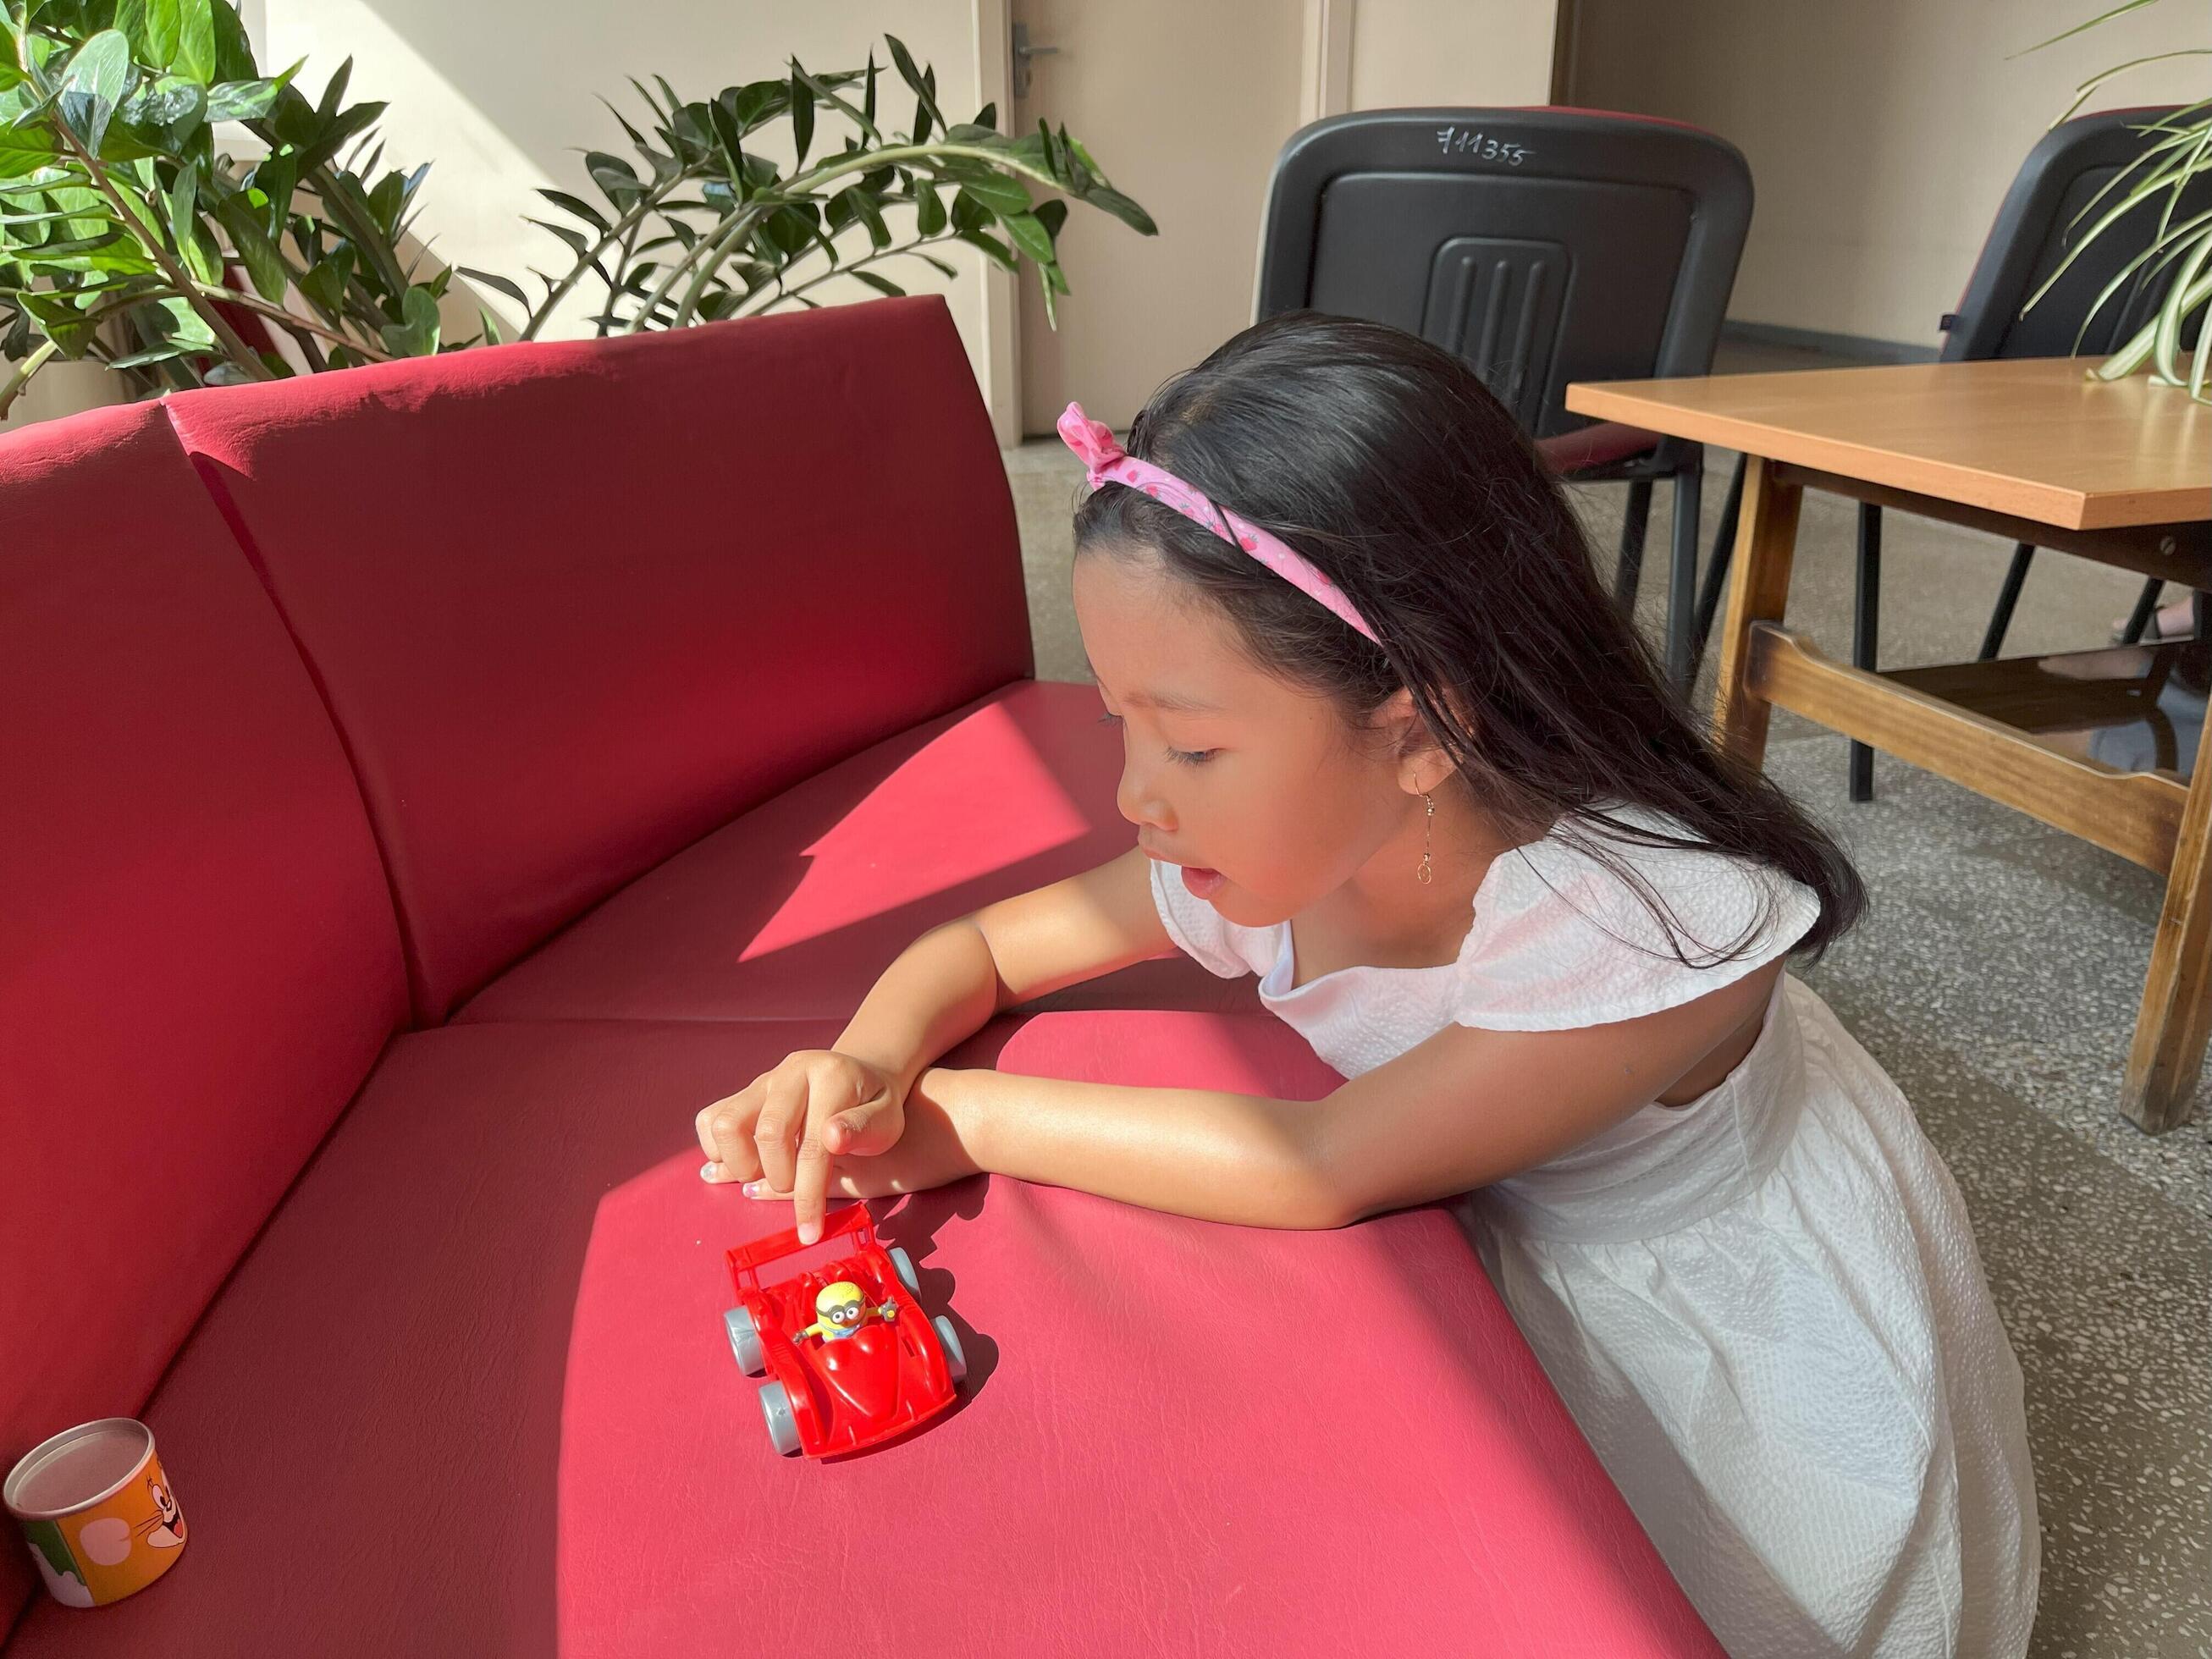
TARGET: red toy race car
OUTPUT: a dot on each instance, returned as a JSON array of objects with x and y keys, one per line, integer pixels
[{"x": 853, "y": 1359}]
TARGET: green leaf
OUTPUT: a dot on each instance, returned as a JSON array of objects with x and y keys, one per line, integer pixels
[
  {"x": 195, "y": 55},
  {"x": 729, "y": 136},
  {"x": 388, "y": 196},
  {"x": 872, "y": 214},
  {"x": 53, "y": 253},
  {"x": 1122, "y": 208},
  {"x": 999, "y": 193},
  {"x": 417, "y": 335},
  {"x": 165, "y": 115},
  {"x": 1029, "y": 235},
  {"x": 792, "y": 228},
  {"x": 616, "y": 179},
  {"x": 881, "y": 284},
  {"x": 94, "y": 86},
  {"x": 968, "y": 213},
  {"x": 577, "y": 206},
  {"x": 155, "y": 354},
  {"x": 24, "y": 150},
  {"x": 151, "y": 28},
  {"x": 991, "y": 246},
  {"x": 904, "y": 60},
  {"x": 802, "y": 116},
  {"x": 753, "y": 102},
  {"x": 928, "y": 209},
  {"x": 10, "y": 71},
  {"x": 242, "y": 100},
  {"x": 326, "y": 289},
  {"x": 1052, "y": 215},
  {"x": 264, "y": 264},
  {"x": 205, "y": 258},
  {"x": 334, "y": 90},
  {"x": 326, "y": 144},
  {"x": 504, "y": 285},
  {"x": 2101, "y": 17},
  {"x": 575, "y": 239},
  {"x": 234, "y": 52},
  {"x": 183, "y": 203}
]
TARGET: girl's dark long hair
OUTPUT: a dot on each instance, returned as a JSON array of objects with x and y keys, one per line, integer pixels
[{"x": 1385, "y": 460}]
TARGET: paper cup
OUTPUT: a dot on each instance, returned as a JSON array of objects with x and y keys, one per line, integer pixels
[{"x": 97, "y": 1511}]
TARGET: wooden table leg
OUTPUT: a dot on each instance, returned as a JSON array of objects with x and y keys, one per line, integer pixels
[
  {"x": 2177, "y": 1003},
  {"x": 1758, "y": 587}
]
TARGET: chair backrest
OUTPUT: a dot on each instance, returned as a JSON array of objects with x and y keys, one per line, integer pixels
[
  {"x": 1543, "y": 246},
  {"x": 2036, "y": 226}
]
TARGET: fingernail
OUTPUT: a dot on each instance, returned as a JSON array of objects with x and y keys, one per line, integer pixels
[
  {"x": 710, "y": 1172},
  {"x": 752, "y": 1189},
  {"x": 809, "y": 1231}
]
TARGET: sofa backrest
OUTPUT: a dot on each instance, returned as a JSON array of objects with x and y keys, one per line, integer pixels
[
  {"x": 574, "y": 605},
  {"x": 198, "y": 959}
]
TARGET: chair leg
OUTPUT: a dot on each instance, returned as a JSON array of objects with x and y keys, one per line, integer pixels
[
  {"x": 1715, "y": 586},
  {"x": 2146, "y": 607},
  {"x": 1631, "y": 567},
  {"x": 2008, "y": 596},
  {"x": 1682, "y": 577},
  {"x": 1865, "y": 624}
]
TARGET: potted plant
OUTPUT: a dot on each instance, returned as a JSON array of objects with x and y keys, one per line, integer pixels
[
  {"x": 709, "y": 227},
  {"x": 128, "y": 238},
  {"x": 131, "y": 238},
  {"x": 2179, "y": 151}
]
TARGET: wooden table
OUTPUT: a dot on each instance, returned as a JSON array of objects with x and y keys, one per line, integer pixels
[{"x": 2034, "y": 451}]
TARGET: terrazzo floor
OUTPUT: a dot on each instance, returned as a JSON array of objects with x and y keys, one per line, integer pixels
[{"x": 1996, "y": 977}]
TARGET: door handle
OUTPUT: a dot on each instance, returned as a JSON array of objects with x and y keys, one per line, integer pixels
[{"x": 1024, "y": 51}]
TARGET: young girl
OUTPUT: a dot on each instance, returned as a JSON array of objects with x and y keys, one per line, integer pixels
[{"x": 1389, "y": 745}]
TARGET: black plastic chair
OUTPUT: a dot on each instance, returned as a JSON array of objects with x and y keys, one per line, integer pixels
[
  {"x": 1545, "y": 246},
  {"x": 2034, "y": 228}
]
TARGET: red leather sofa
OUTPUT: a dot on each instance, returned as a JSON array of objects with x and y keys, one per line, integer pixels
[{"x": 421, "y": 789}]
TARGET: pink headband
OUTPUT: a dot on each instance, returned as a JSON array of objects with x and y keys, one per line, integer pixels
[{"x": 1109, "y": 463}]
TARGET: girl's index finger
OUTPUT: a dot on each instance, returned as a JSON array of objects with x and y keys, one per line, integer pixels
[{"x": 810, "y": 1178}]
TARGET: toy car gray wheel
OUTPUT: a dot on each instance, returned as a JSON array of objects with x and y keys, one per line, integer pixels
[
  {"x": 744, "y": 1341},
  {"x": 905, "y": 1263},
  {"x": 955, "y": 1361},
  {"x": 782, "y": 1427}
]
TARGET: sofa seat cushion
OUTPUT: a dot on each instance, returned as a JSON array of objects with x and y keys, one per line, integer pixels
[
  {"x": 793, "y": 910},
  {"x": 472, "y": 1390}
]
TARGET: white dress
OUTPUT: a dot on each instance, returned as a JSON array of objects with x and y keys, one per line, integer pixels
[{"x": 1763, "y": 1308}]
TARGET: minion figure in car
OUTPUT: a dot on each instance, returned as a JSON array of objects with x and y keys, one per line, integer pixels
[{"x": 841, "y": 1310}]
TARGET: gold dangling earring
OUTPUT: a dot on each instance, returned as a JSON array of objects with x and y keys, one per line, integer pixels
[{"x": 1425, "y": 873}]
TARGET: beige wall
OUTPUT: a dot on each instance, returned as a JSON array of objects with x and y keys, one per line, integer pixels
[
  {"x": 499, "y": 96},
  {"x": 58, "y": 389},
  {"x": 1408, "y": 53},
  {"x": 1881, "y": 134}
]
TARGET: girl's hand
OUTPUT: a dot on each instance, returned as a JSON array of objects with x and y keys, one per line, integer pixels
[
  {"x": 782, "y": 1129},
  {"x": 933, "y": 1153}
]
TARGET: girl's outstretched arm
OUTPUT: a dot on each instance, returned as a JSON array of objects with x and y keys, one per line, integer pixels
[
  {"x": 1459, "y": 1111},
  {"x": 1202, "y": 1152}
]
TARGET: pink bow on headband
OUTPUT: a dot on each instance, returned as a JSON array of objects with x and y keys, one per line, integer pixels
[{"x": 1107, "y": 462}]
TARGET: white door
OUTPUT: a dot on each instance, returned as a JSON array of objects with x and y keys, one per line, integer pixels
[{"x": 1185, "y": 104}]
